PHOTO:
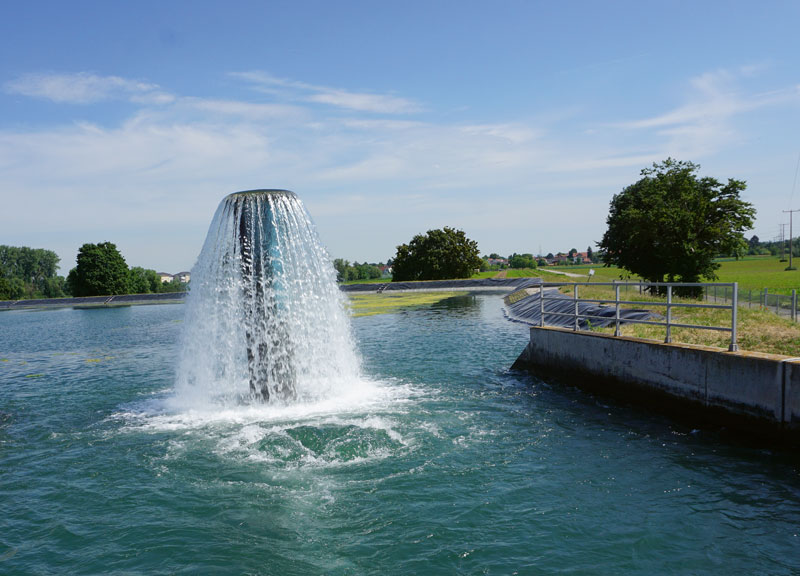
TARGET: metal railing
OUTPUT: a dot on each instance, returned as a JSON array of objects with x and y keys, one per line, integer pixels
[
  {"x": 784, "y": 305},
  {"x": 670, "y": 304},
  {"x": 780, "y": 304}
]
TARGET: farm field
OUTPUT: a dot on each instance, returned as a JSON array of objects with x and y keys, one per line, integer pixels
[
  {"x": 759, "y": 273},
  {"x": 752, "y": 273}
]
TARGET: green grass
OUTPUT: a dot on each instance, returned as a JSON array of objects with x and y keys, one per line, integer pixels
[
  {"x": 386, "y": 303},
  {"x": 487, "y": 274},
  {"x": 759, "y": 273},
  {"x": 524, "y": 273},
  {"x": 758, "y": 330},
  {"x": 752, "y": 273}
]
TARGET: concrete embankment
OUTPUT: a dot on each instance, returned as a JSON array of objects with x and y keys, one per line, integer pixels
[
  {"x": 95, "y": 301},
  {"x": 489, "y": 284},
  {"x": 476, "y": 284},
  {"x": 750, "y": 391}
]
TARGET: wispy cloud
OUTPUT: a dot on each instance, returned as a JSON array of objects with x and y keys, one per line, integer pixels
[
  {"x": 713, "y": 96},
  {"x": 354, "y": 161},
  {"x": 253, "y": 111},
  {"x": 337, "y": 97},
  {"x": 706, "y": 122},
  {"x": 86, "y": 88}
]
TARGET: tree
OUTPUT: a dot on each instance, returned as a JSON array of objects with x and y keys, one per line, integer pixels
[
  {"x": 30, "y": 272},
  {"x": 590, "y": 254},
  {"x": 521, "y": 261},
  {"x": 101, "y": 271},
  {"x": 144, "y": 281},
  {"x": 438, "y": 255},
  {"x": 341, "y": 267},
  {"x": 671, "y": 224}
]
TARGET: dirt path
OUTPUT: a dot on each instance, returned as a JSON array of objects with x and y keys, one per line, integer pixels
[{"x": 501, "y": 274}]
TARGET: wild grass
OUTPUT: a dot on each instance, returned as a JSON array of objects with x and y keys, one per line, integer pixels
[{"x": 758, "y": 330}]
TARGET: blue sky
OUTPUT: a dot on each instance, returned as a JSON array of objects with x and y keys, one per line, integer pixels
[{"x": 516, "y": 121}]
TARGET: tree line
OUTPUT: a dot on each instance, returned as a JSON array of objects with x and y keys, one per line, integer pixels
[
  {"x": 669, "y": 226},
  {"x": 30, "y": 273},
  {"x": 772, "y": 247},
  {"x": 346, "y": 272}
]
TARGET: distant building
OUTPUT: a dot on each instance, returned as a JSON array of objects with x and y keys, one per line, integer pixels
[
  {"x": 165, "y": 277},
  {"x": 183, "y": 277}
]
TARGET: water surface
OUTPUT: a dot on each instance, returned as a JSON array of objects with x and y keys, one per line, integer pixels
[{"x": 439, "y": 460}]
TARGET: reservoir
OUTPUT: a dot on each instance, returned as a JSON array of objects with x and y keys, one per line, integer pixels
[{"x": 436, "y": 459}]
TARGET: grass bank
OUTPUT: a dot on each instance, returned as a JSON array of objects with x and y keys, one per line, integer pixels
[
  {"x": 758, "y": 330},
  {"x": 385, "y": 303}
]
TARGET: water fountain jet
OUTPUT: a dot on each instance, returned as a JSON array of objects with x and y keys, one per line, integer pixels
[{"x": 264, "y": 307}]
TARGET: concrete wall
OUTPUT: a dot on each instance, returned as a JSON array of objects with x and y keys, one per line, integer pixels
[{"x": 750, "y": 386}]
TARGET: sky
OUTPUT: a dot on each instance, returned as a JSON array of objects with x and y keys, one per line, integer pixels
[{"x": 515, "y": 121}]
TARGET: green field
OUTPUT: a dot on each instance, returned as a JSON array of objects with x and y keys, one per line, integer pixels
[
  {"x": 554, "y": 273},
  {"x": 753, "y": 273},
  {"x": 759, "y": 273}
]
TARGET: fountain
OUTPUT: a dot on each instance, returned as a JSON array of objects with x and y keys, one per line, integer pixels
[{"x": 265, "y": 319}]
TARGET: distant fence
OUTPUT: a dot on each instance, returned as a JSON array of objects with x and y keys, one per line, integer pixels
[{"x": 576, "y": 316}]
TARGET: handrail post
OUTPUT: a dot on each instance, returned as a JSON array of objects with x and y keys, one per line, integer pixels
[
  {"x": 616, "y": 312},
  {"x": 668, "y": 338},
  {"x": 541, "y": 305},
  {"x": 575, "y": 297},
  {"x": 734, "y": 306}
]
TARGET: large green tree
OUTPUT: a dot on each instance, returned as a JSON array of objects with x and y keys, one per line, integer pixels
[
  {"x": 438, "y": 255},
  {"x": 671, "y": 224},
  {"x": 101, "y": 271}
]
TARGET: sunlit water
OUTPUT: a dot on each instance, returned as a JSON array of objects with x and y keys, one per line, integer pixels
[{"x": 437, "y": 460}]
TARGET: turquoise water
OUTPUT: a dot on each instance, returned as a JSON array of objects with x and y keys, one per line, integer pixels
[{"x": 439, "y": 461}]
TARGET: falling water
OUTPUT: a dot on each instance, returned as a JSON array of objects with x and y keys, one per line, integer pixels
[{"x": 265, "y": 319}]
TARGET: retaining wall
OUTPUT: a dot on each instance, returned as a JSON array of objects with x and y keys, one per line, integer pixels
[{"x": 739, "y": 387}]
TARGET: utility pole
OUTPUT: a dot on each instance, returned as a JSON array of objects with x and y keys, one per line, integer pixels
[
  {"x": 790, "y": 267},
  {"x": 783, "y": 242}
]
